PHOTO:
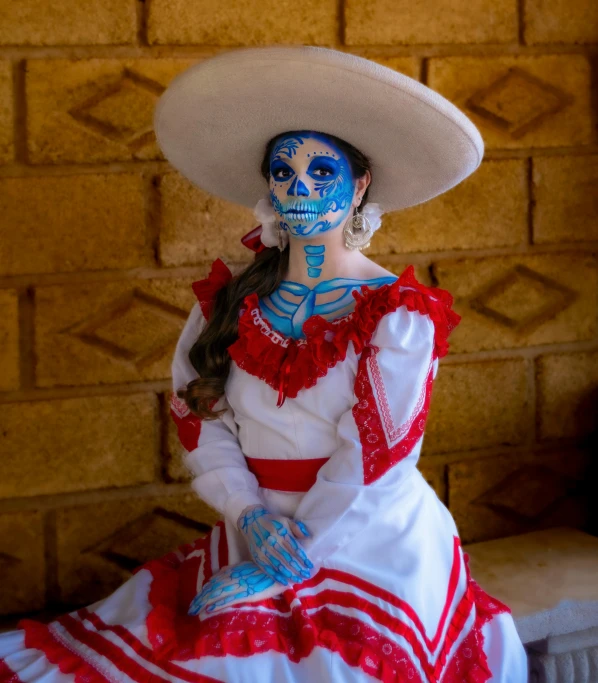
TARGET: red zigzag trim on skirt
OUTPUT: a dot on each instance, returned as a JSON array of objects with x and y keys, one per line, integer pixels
[{"x": 273, "y": 625}]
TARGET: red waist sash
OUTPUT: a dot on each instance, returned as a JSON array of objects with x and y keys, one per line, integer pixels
[{"x": 285, "y": 475}]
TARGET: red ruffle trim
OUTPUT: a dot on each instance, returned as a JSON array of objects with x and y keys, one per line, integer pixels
[
  {"x": 470, "y": 663},
  {"x": 289, "y": 365},
  {"x": 7, "y": 675},
  {"x": 39, "y": 637},
  {"x": 432, "y": 301},
  {"x": 280, "y": 625},
  {"x": 169, "y": 615}
]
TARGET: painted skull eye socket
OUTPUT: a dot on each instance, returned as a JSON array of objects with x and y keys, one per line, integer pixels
[
  {"x": 281, "y": 171},
  {"x": 323, "y": 167}
]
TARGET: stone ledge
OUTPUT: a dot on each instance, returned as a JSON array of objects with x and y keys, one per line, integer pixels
[{"x": 549, "y": 579}]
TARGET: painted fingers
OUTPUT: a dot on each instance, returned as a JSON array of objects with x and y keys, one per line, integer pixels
[
  {"x": 229, "y": 585},
  {"x": 273, "y": 547}
]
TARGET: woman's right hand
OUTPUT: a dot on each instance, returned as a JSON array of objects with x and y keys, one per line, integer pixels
[{"x": 272, "y": 544}]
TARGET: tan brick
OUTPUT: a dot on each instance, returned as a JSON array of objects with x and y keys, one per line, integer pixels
[
  {"x": 73, "y": 22},
  {"x": 405, "y": 65},
  {"x": 560, "y": 22},
  {"x": 399, "y": 22},
  {"x": 434, "y": 474},
  {"x": 520, "y": 101},
  {"x": 6, "y": 113},
  {"x": 99, "y": 545},
  {"x": 209, "y": 22},
  {"x": 9, "y": 340},
  {"x": 75, "y": 444},
  {"x": 113, "y": 332},
  {"x": 470, "y": 216},
  {"x": 477, "y": 405},
  {"x": 196, "y": 226},
  {"x": 511, "y": 494},
  {"x": 95, "y": 110},
  {"x": 22, "y": 562},
  {"x": 566, "y": 199},
  {"x": 516, "y": 301},
  {"x": 67, "y": 223},
  {"x": 567, "y": 394}
]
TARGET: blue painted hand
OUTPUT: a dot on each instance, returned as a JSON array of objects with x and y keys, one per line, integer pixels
[
  {"x": 272, "y": 544},
  {"x": 231, "y": 584}
]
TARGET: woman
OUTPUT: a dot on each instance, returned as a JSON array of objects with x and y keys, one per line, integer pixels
[{"x": 301, "y": 388}]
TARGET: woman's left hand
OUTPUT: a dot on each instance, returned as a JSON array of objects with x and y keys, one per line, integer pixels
[{"x": 234, "y": 583}]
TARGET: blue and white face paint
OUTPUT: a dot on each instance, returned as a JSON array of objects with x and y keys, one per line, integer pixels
[{"x": 311, "y": 183}]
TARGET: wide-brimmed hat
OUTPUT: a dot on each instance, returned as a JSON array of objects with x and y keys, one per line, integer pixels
[{"x": 214, "y": 120}]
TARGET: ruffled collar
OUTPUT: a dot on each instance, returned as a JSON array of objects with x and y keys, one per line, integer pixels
[{"x": 289, "y": 365}]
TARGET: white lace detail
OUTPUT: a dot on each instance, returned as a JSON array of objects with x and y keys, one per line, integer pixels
[
  {"x": 394, "y": 432},
  {"x": 180, "y": 408},
  {"x": 265, "y": 328}
]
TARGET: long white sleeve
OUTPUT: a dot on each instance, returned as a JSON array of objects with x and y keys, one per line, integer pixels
[
  {"x": 213, "y": 453},
  {"x": 379, "y": 436}
]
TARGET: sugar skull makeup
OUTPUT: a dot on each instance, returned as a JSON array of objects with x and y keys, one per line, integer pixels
[{"x": 311, "y": 183}]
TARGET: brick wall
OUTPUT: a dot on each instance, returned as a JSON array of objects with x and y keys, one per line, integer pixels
[{"x": 101, "y": 240}]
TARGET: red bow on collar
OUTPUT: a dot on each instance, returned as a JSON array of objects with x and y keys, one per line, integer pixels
[{"x": 205, "y": 290}]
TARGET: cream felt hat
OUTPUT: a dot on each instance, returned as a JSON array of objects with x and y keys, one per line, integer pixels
[{"x": 214, "y": 120}]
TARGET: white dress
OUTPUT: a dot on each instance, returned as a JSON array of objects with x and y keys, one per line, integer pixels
[{"x": 327, "y": 429}]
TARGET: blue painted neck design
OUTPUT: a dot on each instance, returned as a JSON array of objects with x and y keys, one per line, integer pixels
[
  {"x": 314, "y": 256},
  {"x": 290, "y": 321}
]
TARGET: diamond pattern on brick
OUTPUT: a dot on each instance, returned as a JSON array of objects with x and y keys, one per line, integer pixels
[
  {"x": 135, "y": 328},
  {"x": 528, "y": 494},
  {"x": 149, "y": 536},
  {"x": 8, "y": 560},
  {"x": 523, "y": 299},
  {"x": 518, "y": 102},
  {"x": 130, "y": 93}
]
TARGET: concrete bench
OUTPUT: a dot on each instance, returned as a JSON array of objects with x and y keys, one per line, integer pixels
[{"x": 550, "y": 581}]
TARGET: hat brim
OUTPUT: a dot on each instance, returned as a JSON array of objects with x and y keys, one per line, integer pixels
[{"x": 215, "y": 119}]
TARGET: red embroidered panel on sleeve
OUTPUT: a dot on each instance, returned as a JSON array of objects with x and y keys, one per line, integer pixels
[
  {"x": 383, "y": 442},
  {"x": 188, "y": 425}
]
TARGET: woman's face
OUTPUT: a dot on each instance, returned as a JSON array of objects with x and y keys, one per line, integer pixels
[{"x": 311, "y": 184}]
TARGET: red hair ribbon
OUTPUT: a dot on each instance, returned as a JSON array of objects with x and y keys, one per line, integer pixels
[
  {"x": 205, "y": 290},
  {"x": 252, "y": 240}
]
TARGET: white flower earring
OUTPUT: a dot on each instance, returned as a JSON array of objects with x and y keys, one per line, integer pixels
[
  {"x": 272, "y": 234},
  {"x": 359, "y": 230}
]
